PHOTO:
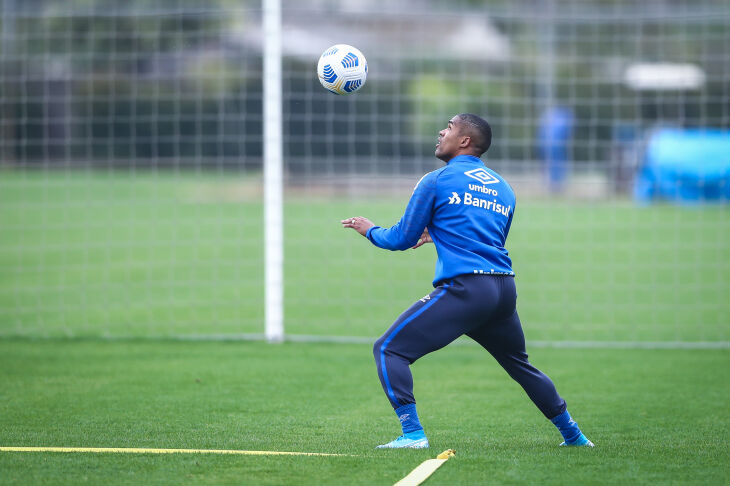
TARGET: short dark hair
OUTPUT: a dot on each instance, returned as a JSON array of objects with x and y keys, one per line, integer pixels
[{"x": 478, "y": 129}]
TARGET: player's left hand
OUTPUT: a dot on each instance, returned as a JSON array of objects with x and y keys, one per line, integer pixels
[
  {"x": 358, "y": 223},
  {"x": 425, "y": 238}
]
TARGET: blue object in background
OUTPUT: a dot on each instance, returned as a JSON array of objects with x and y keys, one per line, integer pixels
[
  {"x": 685, "y": 166},
  {"x": 553, "y": 137}
]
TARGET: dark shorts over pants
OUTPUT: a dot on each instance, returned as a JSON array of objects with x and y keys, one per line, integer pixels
[{"x": 483, "y": 308}]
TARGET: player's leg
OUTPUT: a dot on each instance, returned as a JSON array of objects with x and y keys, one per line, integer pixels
[
  {"x": 504, "y": 339},
  {"x": 430, "y": 324},
  {"x": 415, "y": 333},
  {"x": 410, "y": 337}
]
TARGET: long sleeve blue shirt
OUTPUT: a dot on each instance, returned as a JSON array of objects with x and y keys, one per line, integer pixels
[{"x": 467, "y": 209}]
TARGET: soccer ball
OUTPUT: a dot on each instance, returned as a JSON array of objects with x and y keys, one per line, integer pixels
[{"x": 342, "y": 69}]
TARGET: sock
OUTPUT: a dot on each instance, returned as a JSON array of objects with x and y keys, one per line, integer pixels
[
  {"x": 408, "y": 418},
  {"x": 567, "y": 427}
]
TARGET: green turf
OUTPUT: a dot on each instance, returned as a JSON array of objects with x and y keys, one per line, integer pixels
[
  {"x": 98, "y": 267},
  {"x": 656, "y": 416},
  {"x": 160, "y": 253}
]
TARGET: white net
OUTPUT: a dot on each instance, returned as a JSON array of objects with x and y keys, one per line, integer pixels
[
  {"x": 130, "y": 187},
  {"x": 132, "y": 154}
]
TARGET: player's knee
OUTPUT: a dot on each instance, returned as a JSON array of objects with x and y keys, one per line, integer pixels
[{"x": 377, "y": 347}]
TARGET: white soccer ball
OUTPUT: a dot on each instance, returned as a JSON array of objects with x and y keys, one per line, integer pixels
[{"x": 342, "y": 69}]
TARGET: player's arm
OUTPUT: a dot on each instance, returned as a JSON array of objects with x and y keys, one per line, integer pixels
[
  {"x": 406, "y": 232},
  {"x": 509, "y": 221}
]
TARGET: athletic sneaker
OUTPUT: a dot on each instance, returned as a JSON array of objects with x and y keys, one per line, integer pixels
[
  {"x": 581, "y": 441},
  {"x": 411, "y": 440}
]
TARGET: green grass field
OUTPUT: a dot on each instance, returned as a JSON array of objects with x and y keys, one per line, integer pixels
[
  {"x": 657, "y": 416},
  {"x": 104, "y": 273}
]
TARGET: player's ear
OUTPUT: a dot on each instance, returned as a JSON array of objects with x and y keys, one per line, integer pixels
[{"x": 465, "y": 141}]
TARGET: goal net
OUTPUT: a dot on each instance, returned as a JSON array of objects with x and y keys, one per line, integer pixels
[{"x": 131, "y": 177}]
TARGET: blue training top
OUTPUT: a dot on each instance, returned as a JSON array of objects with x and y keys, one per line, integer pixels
[{"x": 467, "y": 209}]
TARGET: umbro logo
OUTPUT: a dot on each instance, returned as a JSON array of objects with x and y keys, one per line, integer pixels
[
  {"x": 482, "y": 176},
  {"x": 454, "y": 199}
]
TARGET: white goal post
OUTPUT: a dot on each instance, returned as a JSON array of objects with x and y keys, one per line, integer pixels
[{"x": 273, "y": 187}]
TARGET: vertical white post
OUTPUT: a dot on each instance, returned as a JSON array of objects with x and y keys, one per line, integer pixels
[{"x": 273, "y": 186}]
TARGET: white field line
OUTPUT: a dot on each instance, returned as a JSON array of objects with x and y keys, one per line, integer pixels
[
  {"x": 304, "y": 338},
  {"x": 631, "y": 344},
  {"x": 313, "y": 338},
  {"x": 136, "y": 450}
]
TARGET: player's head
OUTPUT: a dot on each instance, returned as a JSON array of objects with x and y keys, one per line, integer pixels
[{"x": 465, "y": 134}]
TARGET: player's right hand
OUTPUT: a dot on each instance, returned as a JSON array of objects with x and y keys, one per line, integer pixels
[{"x": 358, "y": 223}]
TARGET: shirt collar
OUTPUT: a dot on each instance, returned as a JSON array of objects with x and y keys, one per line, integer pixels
[{"x": 465, "y": 158}]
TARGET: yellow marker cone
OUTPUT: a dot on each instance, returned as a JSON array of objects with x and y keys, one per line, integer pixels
[
  {"x": 425, "y": 469},
  {"x": 447, "y": 454}
]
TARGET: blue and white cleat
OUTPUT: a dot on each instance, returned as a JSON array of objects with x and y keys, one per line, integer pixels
[
  {"x": 581, "y": 441},
  {"x": 411, "y": 440}
]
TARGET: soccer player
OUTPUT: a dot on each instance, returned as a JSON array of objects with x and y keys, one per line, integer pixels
[{"x": 466, "y": 210}]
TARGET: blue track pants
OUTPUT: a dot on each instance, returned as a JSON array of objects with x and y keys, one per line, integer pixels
[{"x": 483, "y": 308}]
